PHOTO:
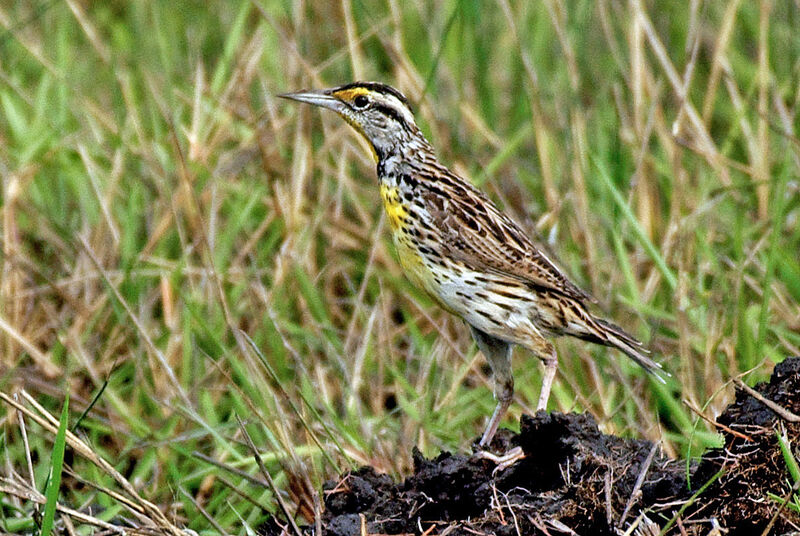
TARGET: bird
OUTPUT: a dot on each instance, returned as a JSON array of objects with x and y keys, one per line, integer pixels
[{"x": 454, "y": 243}]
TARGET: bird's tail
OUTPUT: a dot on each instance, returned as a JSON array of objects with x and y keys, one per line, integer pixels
[{"x": 615, "y": 336}]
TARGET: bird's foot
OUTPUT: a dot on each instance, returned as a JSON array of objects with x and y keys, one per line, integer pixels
[{"x": 503, "y": 461}]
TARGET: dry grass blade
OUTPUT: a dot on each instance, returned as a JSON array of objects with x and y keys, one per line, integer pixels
[
  {"x": 708, "y": 148},
  {"x": 697, "y": 411},
  {"x": 145, "y": 334},
  {"x": 135, "y": 503},
  {"x": 638, "y": 485},
  {"x": 31, "y": 494},
  {"x": 281, "y": 503},
  {"x": 42, "y": 360},
  {"x": 131, "y": 504},
  {"x": 24, "y": 432},
  {"x": 780, "y": 411}
]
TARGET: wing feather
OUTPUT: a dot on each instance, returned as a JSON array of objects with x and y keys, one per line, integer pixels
[{"x": 478, "y": 234}]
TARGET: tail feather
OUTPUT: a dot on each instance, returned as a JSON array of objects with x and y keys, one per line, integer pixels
[{"x": 618, "y": 338}]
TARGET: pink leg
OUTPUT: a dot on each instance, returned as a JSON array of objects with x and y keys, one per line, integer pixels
[
  {"x": 550, "y": 368},
  {"x": 497, "y": 416},
  {"x": 498, "y": 354}
]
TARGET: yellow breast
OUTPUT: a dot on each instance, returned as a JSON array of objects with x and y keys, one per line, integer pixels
[
  {"x": 413, "y": 263},
  {"x": 395, "y": 209},
  {"x": 398, "y": 214}
]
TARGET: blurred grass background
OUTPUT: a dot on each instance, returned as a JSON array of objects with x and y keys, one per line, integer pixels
[{"x": 160, "y": 207}]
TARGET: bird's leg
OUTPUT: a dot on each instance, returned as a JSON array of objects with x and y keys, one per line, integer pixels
[
  {"x": 547, "y": 353},
  {"x": 500, "y": 360},
  {"x": 503, "y": 392},
  {"x": 498, "y": 354},
  {"x": 550, "y": 366}
]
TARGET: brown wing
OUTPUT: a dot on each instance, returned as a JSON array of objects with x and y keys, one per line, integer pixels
[{"x": 475, "y": 232}]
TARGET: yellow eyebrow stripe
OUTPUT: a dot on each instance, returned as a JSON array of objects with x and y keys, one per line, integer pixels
[{"x": 350, "y": 94}]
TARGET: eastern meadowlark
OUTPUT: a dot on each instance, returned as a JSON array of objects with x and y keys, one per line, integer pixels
[{"x": 472, "y": 259}]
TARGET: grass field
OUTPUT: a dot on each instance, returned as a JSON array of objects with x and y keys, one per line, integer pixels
[{"x": 180, "y": 249}]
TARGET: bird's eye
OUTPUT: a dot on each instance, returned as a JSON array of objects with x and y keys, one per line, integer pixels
[{"x": 361, "y": 102}]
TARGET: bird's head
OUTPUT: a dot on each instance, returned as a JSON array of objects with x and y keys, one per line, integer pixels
[{"x": 378, "y": 112}]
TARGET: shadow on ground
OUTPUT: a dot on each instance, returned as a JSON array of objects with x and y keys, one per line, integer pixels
[{"x": 575, "y": 479}]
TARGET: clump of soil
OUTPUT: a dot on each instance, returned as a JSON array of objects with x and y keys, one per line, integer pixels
[
  {"x": 572, "y": 475},
  {"x": 751, "y": 459},
  {"x": 575, "y": 479}
]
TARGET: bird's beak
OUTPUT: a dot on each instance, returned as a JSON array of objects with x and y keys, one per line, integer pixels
[{"x": 320, "y": 97}]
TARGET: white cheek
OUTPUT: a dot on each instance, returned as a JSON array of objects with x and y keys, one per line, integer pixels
[{"x": 408, "y": 117}]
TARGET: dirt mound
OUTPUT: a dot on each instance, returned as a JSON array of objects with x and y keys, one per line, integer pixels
[
  {"x": 572, "y": 475},
  {"x": 575, "y": 479},
  {"x": 754, "y": 467}
]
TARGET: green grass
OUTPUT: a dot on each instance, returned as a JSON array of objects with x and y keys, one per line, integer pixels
[
  {"x": 792, "y": 500},
  {"x": 56, "y": 466},
  {"x": 192, "y": 250}
]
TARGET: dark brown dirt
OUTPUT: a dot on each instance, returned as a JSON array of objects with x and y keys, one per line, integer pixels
[
  {"x": 575, "y": 479},
  {"x": 754, "y": 466}
]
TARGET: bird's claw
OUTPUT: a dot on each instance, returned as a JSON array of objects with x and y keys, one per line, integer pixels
[{"x": 503, "y": 461}]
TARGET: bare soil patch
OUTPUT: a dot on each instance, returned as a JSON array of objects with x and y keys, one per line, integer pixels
[{"x": 576, "y": 480}]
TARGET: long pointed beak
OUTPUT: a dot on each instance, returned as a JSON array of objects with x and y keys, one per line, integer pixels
[{"x": 316, "y": 97}]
